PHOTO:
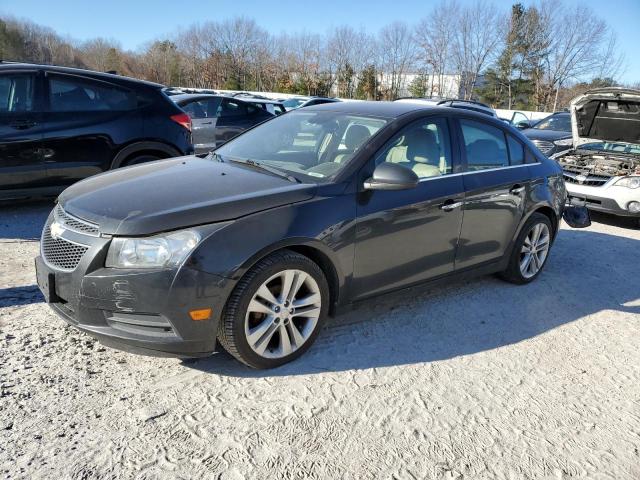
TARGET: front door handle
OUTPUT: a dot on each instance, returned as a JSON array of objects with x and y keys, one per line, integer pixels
[
  {"x": 517, "y": 189},
  {"x": 450, "y": 205}
]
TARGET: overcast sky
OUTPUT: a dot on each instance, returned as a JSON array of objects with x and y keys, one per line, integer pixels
[{"x": 134, "y": 22}]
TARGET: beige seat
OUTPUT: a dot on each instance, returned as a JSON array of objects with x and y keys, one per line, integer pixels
[
  {"x": 419, "y": 151},
  {"x": 355, "y": 136}
]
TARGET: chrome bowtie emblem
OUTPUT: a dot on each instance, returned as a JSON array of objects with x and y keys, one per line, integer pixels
[
  {"x": 56, "y": 230},
  {"x": 581, "y": 178}
]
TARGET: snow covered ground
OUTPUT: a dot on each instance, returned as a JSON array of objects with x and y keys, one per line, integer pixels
[{"x": 476, "y": 380}]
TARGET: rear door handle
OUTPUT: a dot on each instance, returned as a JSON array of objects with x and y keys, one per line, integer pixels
[
  {"x": 450, "y": 205},
  {"x": 22, "y": 124},
  {"x": 517, "y": 189}
]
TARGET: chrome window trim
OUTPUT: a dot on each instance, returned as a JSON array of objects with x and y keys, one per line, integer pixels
[{"x": 473, "y": 173}]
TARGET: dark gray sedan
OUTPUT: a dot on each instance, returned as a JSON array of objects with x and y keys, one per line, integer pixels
[{"x": 256, "y": 244}]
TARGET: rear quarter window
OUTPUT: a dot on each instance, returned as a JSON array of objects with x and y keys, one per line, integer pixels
[{"x": 76, "y": 94}]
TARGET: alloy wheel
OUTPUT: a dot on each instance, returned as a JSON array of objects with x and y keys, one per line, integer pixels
[
  {"x": 283, "y": 314},
  {"x": 535, "y": 249}
]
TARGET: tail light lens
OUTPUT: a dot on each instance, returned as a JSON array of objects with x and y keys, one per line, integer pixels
[{"x": 182, "y": 119}]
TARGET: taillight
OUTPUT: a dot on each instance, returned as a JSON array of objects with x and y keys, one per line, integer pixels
[{"x": 182, "y": 119}]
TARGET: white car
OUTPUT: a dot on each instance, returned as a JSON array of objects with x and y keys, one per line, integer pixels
[{"x": 602, "y": 169}]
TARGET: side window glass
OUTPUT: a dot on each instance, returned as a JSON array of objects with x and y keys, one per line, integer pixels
[
  {"x": 516, "y": 151},
  {"x": 16, "y": 93},
  {"x": 485, "y": 146},
  {"x": 423, "y": 146},
  {"x": 68, "y": 94},
  {"x": 195, "y": 110},
  {"x": 230, "y": 108}
]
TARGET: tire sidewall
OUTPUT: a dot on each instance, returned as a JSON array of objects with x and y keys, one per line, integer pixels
[{"x": 246, "y": 294}]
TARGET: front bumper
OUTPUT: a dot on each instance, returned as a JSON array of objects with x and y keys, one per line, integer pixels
[
  {"x": 607, "y": 199},
  {"x": 139, "y": 311}
]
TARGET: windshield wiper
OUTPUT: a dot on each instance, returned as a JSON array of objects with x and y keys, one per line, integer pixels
[{"x": 266, "y": 168}]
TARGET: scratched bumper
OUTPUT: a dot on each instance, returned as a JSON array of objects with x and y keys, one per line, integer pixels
[{"x": 140, "y": 311}]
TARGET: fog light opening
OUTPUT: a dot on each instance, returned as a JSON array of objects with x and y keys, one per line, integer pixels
[
  {"x": 634, "y": 207},
  {"x": 200, "y": 314}
]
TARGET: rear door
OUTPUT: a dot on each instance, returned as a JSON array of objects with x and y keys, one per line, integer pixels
[
  {"x": 86, "y": 122},
  {"x": 496, "y": 182},
  {"x": 21, "y": 165}
]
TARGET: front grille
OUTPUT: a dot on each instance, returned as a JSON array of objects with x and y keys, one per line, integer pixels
[
  {"x": 58, "y": 252},
  {"x": 75, "y": 224},
  {"x": 585, "y": 179},
  {"x": 544, "y": 147}
]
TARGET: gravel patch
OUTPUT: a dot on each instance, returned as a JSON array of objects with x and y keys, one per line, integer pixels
[{"x": 475, "y": 380}]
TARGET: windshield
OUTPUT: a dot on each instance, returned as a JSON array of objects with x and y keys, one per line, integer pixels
[
  {"x": 618, "y": 147},
  {"x": 561, "y": 123},
  {"x": 317, "y": 145},
  {"x": 293, "y": 102}
]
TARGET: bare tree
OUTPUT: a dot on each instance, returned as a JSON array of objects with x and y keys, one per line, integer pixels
[
  {"x": 581, "y": 44},
  {"x": 434, "y": 35},
  {"x": 397, "y": 53},
  {"x": 478, "y": 36}
]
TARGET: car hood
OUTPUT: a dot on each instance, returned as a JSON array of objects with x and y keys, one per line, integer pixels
[
  {"x": 177, "y": 193},
  {"x": 606, "y": 114},
  {"x": 550, "y": 135}
]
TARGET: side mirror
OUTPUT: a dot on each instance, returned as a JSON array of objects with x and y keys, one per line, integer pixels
[
  {"x": 576, "y": 216},
  {"x": 391, "y": 176},
  {"x": 523, "y": 124}
]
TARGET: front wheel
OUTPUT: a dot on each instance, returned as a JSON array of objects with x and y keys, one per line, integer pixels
[
  {"x": 276, "y": 311},
  {"x": 530, "y": 250}
]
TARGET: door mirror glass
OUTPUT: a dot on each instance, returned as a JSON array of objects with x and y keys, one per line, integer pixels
[
  {"x": 391, "y": 176},
  {"x": 523, "y": 124},
  {"x": 576, "y": 216}
]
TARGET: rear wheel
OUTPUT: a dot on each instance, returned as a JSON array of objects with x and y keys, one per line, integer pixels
[
  {"x": 530, "y": 251},
  {"x": 276, "y": 311}
]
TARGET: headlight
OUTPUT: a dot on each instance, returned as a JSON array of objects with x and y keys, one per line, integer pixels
[
  {"x": 629, "y": 182},
  {"x": 565, "y": 142},
  {"x": 159, "y": 251}
]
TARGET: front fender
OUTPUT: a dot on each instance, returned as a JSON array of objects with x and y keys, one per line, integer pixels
[{"x": 326, "y": 224}]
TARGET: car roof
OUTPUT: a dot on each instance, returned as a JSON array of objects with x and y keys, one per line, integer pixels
[
  {"x": 193, "y": 96},
  {"x": 377, "y": 109},
  {"x": 77, "y": 71},
  {"x": 258, "y": 100}
]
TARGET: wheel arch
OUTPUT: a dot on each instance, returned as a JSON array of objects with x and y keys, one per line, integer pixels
[
  {"x": 146, "y": 147},
  {"x": 313, "y": 249}
]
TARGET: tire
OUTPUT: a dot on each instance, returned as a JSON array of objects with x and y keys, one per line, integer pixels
[
  {"x": 264, "y": 333},
  {"x": 515, "y": 273},
  {"x": 138, "y": 159}
]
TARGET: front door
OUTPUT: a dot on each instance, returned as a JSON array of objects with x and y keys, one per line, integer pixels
[
  {"x": 407, "y": 236},
  {"x": 21, "y": 165},
  {"x": 496, "y": 183}
]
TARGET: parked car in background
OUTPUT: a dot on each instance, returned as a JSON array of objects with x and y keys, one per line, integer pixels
[
  {"x": 59, "y": 125},
  {"x": 274, "y": 107},
  {"x": 602, "y": 169},
  {"x": 314, "y": 210},
  {"x": 216, "y": 119},
  {"x": 451, "y": 102},
  {"x": 551, "y": 134},
  {"x": 300, "y": 102}
]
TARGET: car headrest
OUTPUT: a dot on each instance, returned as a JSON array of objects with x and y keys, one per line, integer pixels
[
  {"x": 484, "y": 151},
  {"x": 356, "y": 136},
  {"x": 422, "y": 146}
]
